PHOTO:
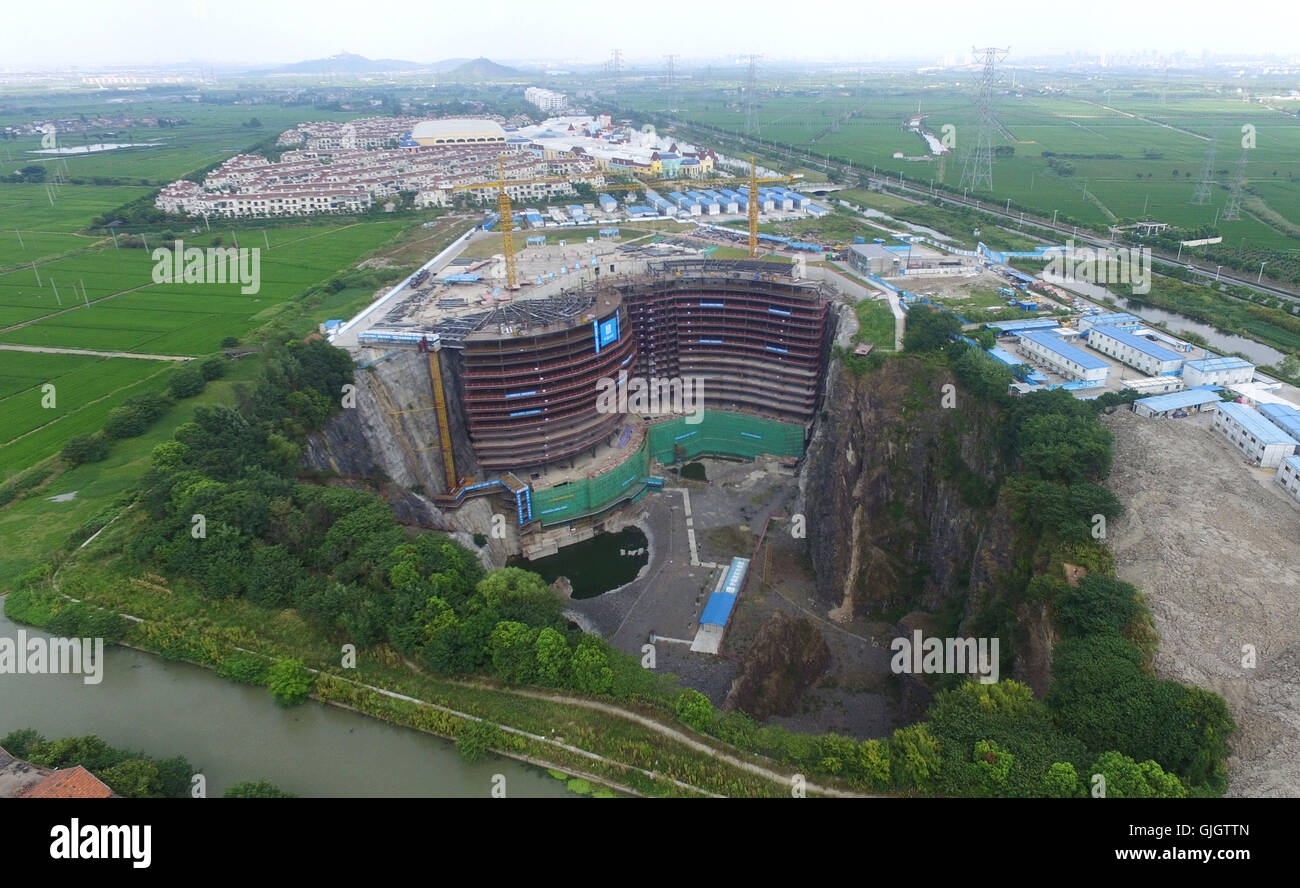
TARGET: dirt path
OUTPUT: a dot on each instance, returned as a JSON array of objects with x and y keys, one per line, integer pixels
[
  {"x": 1215, "y": 546},
  {"x": 49, "y": 350},
  {"x": 685, "y": 740}
]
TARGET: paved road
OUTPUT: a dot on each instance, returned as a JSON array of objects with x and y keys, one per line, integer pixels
[{"x": 47, "y": 350}]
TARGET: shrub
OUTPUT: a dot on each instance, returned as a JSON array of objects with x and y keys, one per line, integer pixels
[
  {"x": 289, "y": 682},
  {"x": 185, "y": 383},
  {"x": 243, "y": 667},
  {"x": 212, "y": 368},
  {"x": 476, "y": 739},
  {"x": 85, "y": 449},
  {"x": 256, "y": 789}
]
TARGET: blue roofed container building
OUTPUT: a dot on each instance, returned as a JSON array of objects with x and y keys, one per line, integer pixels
[
  {"x": 1032, "y": 376},
  {"x": 1217, "y": 371},
  {"x": 1056, "y": 355},
  {"x": 1284, "y": 416},
  {"x": 1176, "y": 404},
  {"x": 1122, "y": 320},
  {"x": 1136, "y": 351},
  {"x": 1263, "y": 443},
  {"x": 718, "y": 609},
  {"x": 1288, "y": 475}
]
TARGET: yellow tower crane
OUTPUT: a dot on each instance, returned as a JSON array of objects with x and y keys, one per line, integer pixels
[{"x": 503, "y": 207}]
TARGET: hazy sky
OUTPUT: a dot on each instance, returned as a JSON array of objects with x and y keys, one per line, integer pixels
[{"x": 140, "y": 32}]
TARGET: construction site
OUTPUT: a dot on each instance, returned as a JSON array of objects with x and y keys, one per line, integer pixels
[{"x": 486, "y": 371}]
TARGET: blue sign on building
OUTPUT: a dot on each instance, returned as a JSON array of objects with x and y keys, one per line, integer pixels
[{"x": 606, "y": 332}]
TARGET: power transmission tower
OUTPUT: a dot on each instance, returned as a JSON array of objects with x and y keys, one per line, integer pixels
[
  {"x": 977, "y": 171},
  {"x": 1232, "y": 209},
  {"x": 672, "y": 70},
  {"x": 1206, "y": 182},
  {"x": 616, "y": 63},
  {"x": 751, "y": 86}
]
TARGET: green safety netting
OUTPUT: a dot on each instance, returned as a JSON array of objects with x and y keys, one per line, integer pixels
[{"x": 720, "y": 432}]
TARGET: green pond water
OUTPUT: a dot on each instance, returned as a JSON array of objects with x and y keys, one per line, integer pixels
[{"x": 593, "y": 566}]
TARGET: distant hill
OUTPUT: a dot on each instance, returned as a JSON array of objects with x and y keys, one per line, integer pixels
[
  {"x": 348, "y": 63},
  {"x": 447, "y": 65},
  {"x": 482, "y": 69}
]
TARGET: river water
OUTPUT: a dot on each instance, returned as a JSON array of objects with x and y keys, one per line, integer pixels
[
  {"x": 232, "y": 732},
  {"x": 1257, "y": 352}
]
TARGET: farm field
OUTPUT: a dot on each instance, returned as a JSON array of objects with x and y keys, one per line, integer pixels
[
  {"x": 172, "y": 318},
  {"x": 1147, "y": 152},
  {"x": 210, "y": 134},
  {"x": 35, "y": 526},
  {"x": 85, "y": 390}
]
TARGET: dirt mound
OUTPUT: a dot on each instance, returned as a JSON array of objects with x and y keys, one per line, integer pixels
[
  {"x": 1215, "y": 545},
  {"x": 787, "y": 656}
]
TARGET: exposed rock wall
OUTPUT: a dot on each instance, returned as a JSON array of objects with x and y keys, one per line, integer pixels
[{"x": 390, "y": 435}]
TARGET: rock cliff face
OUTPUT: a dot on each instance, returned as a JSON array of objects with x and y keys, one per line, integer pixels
[
  {"x": 899, "y": 487},
  {"x": 889, "y": 527},
  {"x": 375, "y": 438}
]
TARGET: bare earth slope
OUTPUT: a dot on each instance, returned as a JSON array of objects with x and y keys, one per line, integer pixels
[{"x": 1215, "y": 545}]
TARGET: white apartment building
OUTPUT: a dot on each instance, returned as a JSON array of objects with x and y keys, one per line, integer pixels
[{"x": 546, "y": 100}]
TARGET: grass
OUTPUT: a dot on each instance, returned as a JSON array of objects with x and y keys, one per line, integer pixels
[
  {"x": 32, "y": 527},
  {"x": 875, "y": 323},
  {"x": 1157, "y": 143}
]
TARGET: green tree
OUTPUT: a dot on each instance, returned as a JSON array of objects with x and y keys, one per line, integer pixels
[
  {"x": 695, "y": 710},
  {"x": 212, "y": 368},
  {"x": 552, "y": 655},
  {"x": 289, "y": 682},
  {"x": 135, "y": 778},
  {"x": 928, "y": 329},
  {"x": 85, "y": 449},
  {"x": 185, "y": 382},
  {"x": 914, "y": 757},
  {"x": 1127, "y": 779},
  {"x": 1062, "y": 782},
  {"x": 589, "y": 670},
  {"x": 256, "y": 789}
]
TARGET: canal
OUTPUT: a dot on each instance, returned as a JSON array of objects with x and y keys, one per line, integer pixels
[
  {"x": 1226, "y": 343},
  {"x": 232, "y": 732}
]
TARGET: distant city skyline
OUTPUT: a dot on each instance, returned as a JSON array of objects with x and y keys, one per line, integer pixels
[{"x": 147, "y": 33}]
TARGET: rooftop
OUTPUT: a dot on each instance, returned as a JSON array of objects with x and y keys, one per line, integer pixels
[
  {"x": 1207, "y": 365},
  {"x": 1284, "y": 416},
  {"x": 436, "y": 129},
  {"x": 68, "y": 783},
  {"x": 1254, "y": 422},
  {"x": 1139, "y": 343},
  {"x": 1069, "y": 352},
  {"x": 1178, "y": 400}
]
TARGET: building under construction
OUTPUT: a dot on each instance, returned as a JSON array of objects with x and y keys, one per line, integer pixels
[{"x": 519, "y": 381}]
